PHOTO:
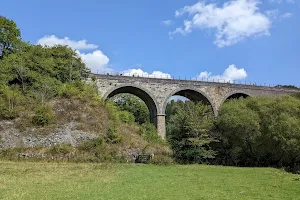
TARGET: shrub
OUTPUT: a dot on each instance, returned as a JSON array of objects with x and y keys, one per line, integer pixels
[
  {"x": 112, "y": 136},
  {"x": 126, "y": 117},
  {"x": 162, "y": 160},
  {"x": 11, "y": 102},
  {"x": 112, "y": 111},
  {"x": 149, "y": 132},
  {"x": 68, "y": 90},
  {"x": 44, "y": 115},
  {"x": 91, "y": 145},
  {"x": 88, "y": 91},
  {"x": 96, "y": 150},
  {"x": 63, "y": 148}
]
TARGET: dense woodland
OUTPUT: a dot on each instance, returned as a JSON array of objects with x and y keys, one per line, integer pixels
[{"x": 247, "y": 132}]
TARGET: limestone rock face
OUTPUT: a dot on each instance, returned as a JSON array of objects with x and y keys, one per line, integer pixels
[{"x": 11, "y": 137}]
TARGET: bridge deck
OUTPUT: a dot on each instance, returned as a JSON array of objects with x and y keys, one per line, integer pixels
[{"x": 198, "y": 82}]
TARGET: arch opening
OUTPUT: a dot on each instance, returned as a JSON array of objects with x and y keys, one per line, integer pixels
[
  {"x": 184, "y": 95},
  {"x": 143, "y": 95},
  {"x": 178, "y": 99},
  {"x": 237, "y": 96},
  {"x": 188, "y": 95}
]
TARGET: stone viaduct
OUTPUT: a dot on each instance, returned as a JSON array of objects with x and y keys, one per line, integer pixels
[{"x": 156, "y": 92}]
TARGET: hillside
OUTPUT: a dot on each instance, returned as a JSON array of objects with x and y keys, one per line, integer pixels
[{"x": 82, "y": 130}]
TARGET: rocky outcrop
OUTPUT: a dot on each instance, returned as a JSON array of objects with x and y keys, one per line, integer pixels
[{"x": 11, "y": 137}]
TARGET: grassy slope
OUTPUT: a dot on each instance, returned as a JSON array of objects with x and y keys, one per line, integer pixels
[
  {"x": 26, "y": 180},
  {"x": 94, "y": 118}
]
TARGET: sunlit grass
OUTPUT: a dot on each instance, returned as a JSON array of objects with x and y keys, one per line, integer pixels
[{"x": 39, "y": 180}]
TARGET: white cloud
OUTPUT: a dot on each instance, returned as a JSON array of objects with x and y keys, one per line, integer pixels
[
  {"x": 141, "y": 73},
  {"x": 232, "y": 73},
  {"x": 96, "y": 60},
  {"x": 167, "y": 22},
  {"x": 51, "y": 40},
  {"x": 235, "y": 21}
]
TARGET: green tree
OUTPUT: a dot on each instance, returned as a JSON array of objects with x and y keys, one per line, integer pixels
[
  {"x": 11, "y": 102},
  {"x": 189, "y": 132},
  {"x": 134, "y": 105},
  {"x": 260, "y": 131},
  {"x": 171, "y": 108},
  {"x": 36, "y": 66},
  {"x": 239, "y": 129},
  {"x": 10, "y": 36}
]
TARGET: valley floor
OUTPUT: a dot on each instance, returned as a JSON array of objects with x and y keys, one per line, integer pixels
[{"x": 42, "y": 180}]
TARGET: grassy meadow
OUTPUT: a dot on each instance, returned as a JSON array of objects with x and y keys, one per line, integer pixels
[{"x": 42, "y": 180}]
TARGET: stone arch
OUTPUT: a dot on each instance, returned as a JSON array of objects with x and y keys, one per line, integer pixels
[
  {"x": 234, "y": 95},
  {"x": 192, "y": 94},
  {"x": 140, "y": 92}
]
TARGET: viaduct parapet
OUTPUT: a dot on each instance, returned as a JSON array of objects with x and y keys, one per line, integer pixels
[{"x": 156, "y": 92}]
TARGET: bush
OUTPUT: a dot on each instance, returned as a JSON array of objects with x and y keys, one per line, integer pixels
[
  {"x": 162, "y": 160},
  {"x": 63, "y": 148},
  {"x": 134, "y": 105},
  {"x": 68, "y": 90},
  {"x": 149, "y": 132},
  {"x": 93, "y": 145},
  {"x": 96, "y": 150},
  {"x": 112, "y": 136},
  {"x": 11, "y": 102},
  {"x": 80, "y": 90},
  {"x": 44, "y": 115},
  {"x": 112, "y": 111},
  {"x": 126, "y": 117}
]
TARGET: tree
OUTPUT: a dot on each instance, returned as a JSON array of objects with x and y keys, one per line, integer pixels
[
  {"x": 239, "y": 129},
  {"x": 10, "y": 37},
  {"x": 133, "y": 104},
  {"x": 34, "y": 64},
  {"x": 260, "y": 131},
  {"x": 171, "y": 108},
  {"x": 189, "y": 132}
]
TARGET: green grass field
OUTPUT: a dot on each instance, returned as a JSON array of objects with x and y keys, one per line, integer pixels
[{"x": 39, "y": 180}]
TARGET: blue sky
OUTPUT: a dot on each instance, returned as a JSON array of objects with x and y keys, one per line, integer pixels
[{"x": 245, "y": 40}]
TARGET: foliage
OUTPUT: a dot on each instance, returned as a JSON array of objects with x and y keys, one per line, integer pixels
[
  {"x": 134, "y": 105},
  {"x": 126, "y": 117},
  {"x": 11, "y": 102},
  {"x": 29, "y": 68},
  {"x": 162, "y": 160},
  {"x": 171, "y": 109},
  {"x": 260, "y": 132},
  {"x": 113, "y": 136},
  {"x": 44, "y": 115},
  {"x": 63, "y": 148},
  {"x": 297, "y": 95},
  {"x": 189, "y": 132},
  {"x": 287, "y": 86},
  {"x": 93, "y": 145},
  {"x": 10, "y": 37},
  {"x": 149, "y": 132},
  {"x": 46, "y": 85}
]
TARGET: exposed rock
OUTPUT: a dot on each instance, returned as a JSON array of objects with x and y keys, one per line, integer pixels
[{"x": 11, "y": 137}]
